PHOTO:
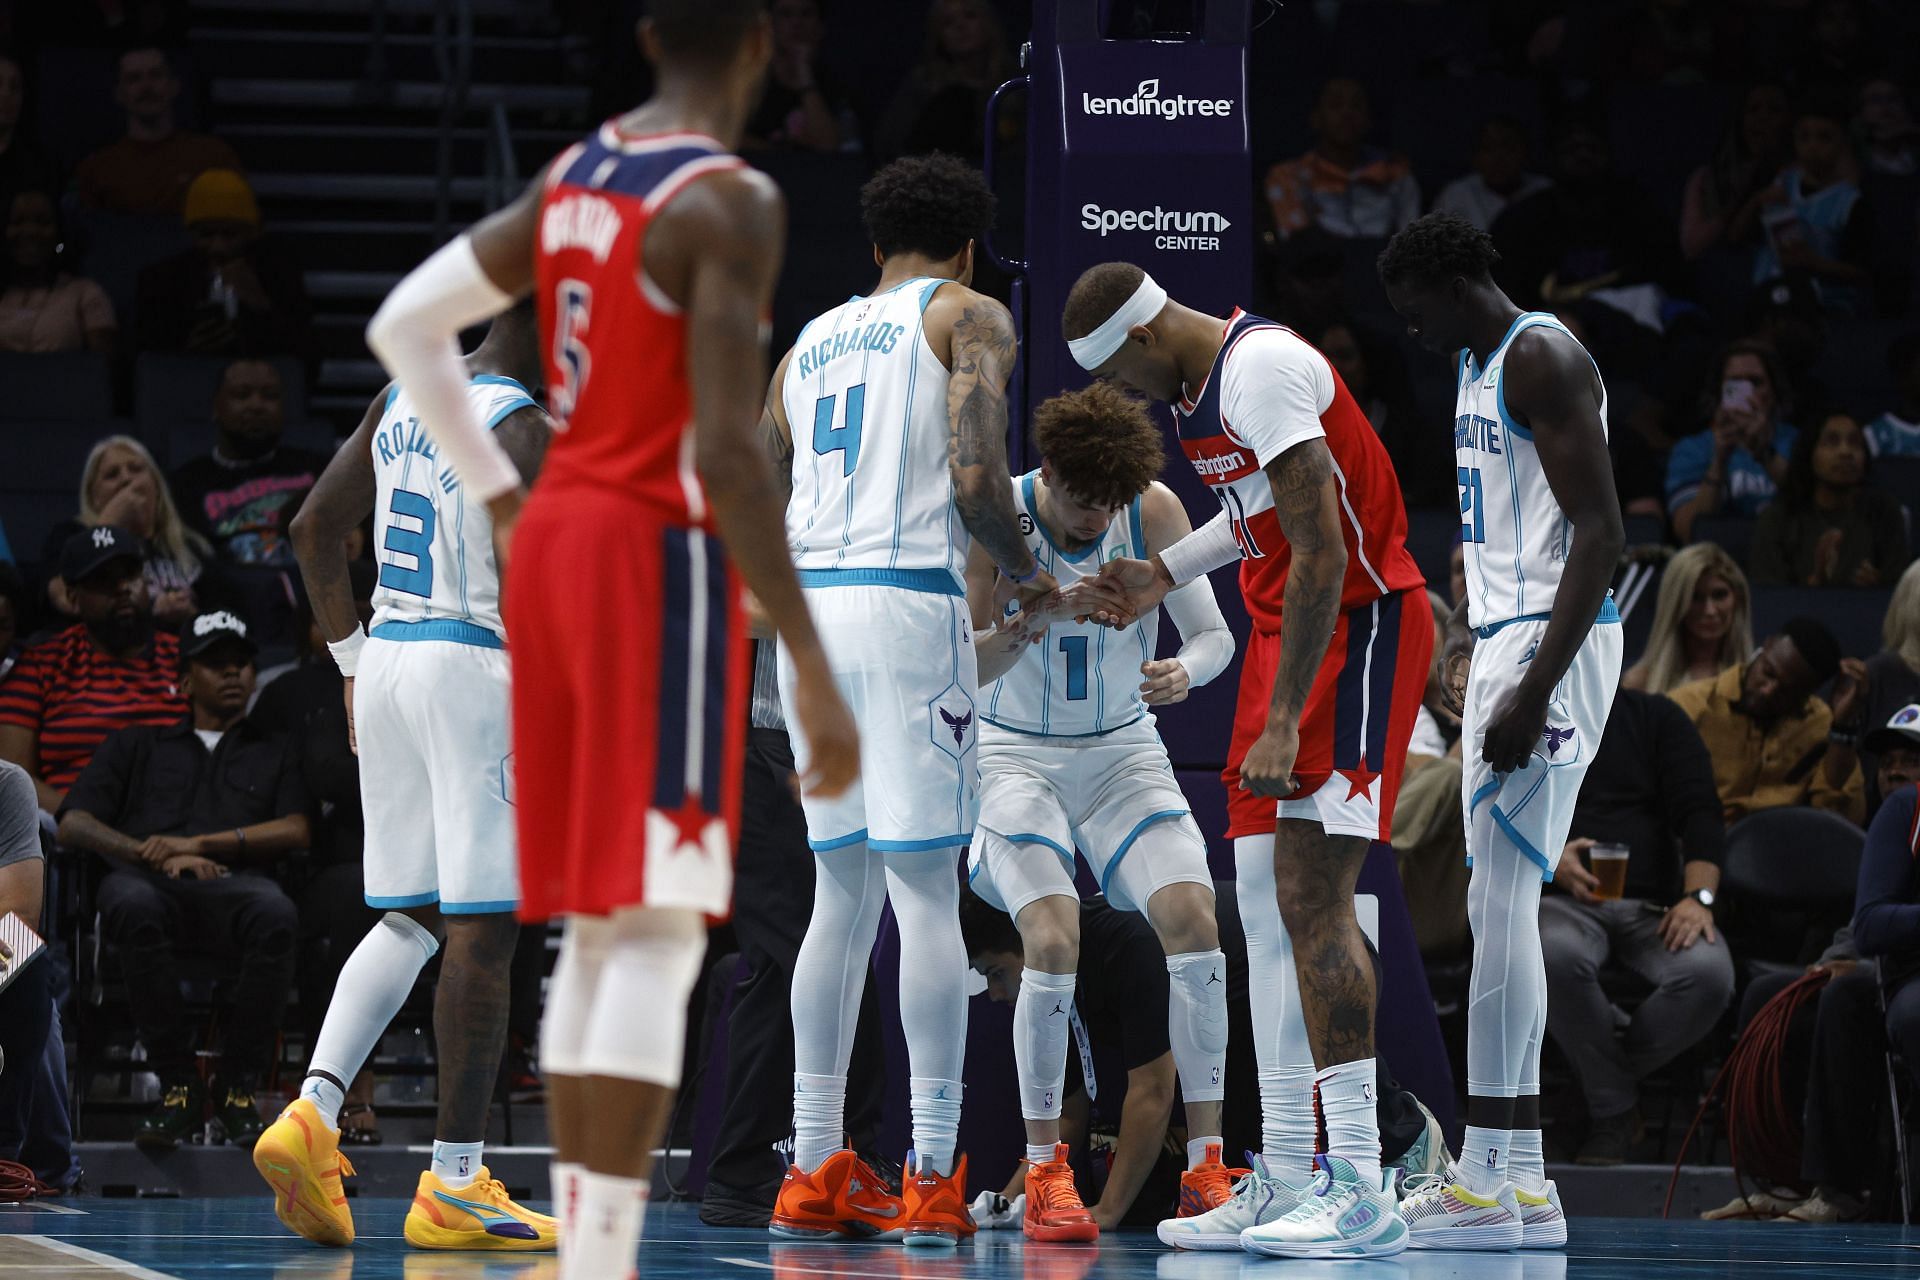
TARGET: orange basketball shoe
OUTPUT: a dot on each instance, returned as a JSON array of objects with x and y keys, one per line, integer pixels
[
  {"x": 1055, "y": 1212},
  {"x": 936, "y": 1206},
  {"x": 1207, "y": 1186},
  {"x": 842, "y": 1199}
]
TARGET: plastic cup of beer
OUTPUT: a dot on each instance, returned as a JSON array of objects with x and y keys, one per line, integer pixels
[{"x": 1608, "y": 862}]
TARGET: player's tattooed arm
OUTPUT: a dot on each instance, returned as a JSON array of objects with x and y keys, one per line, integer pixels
[
  {"x": 1307, "y": 506},
  {"x": 339, "y": 501},
  {"x": 525, "y": 435},
  {"x": 983, "y": 351},
  {"x": 775, "y": 434}
]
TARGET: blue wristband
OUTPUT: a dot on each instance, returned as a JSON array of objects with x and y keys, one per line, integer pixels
[{"x": 1020, "y": 581}]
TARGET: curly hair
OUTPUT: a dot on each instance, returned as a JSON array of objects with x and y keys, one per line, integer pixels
[
  {"x": 930, "y": 204},
  {"x": 1438, "y": 246},
  {"x": 1104, "y": 448}
]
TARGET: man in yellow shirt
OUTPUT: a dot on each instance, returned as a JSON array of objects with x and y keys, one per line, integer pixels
[{"x": 1773, "y": 742}]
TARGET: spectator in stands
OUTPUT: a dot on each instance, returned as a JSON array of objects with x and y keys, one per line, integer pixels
[
  {"x": 121, "y": 485},
  {"x": 233, "y": 293},
  {"x": 1344, "y": 186},
  {"x": 802, "y": 108},
  {"x": 1721, "y": 205},
  {"x": 107, "y": 671},
  {"x": 191, "y": 818},
  {"x": 1593, "y": 231},
  {"x": 1884, "y": 124},
  {"x": 13, "y": 613},
  {"x": 23, "y": 167},
  {"x": 35, "y": 1127},
  {"x": 1772, "y": 739},
  {"x": 1377, "y": 378},
  {"x": 1651, "y": 788},
  {"x": 1896, "y": 433},
  {"x": 1814, "y": 225},
  {"x": 1702, "y": 623},
  {"x": 1886, "y": 915},
  {"x": 239, "y": 496},
  {"x": 1893, "y": 674},
  {"x": 1499, "y": 175},
  {"x": 147, "y": 171},
  {"x": 940, "y": 104},
  {"x": 1736, "y": 465},
  {"x": 1830, "y": 527},
  {"x": 44, "y": 306}
]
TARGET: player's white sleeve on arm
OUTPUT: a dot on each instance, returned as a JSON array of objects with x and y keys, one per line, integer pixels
[
  {"x": 1200, "y": 553},
  {"x": 1206, "y": 642},
  {"x": 416, "y": 336},
  {"x": 1273, "y": 391}
]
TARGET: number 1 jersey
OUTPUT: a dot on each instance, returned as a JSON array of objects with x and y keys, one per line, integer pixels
[
  {"x": 433, "y": 542},
  {"x": 866, "y": 399}
]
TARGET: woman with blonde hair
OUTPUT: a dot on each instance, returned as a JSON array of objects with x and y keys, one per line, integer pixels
[
  {"x": 1893, "y": 674},
  {"x": 121, "y": 485},
  {"x": 1702, "y": 624}
]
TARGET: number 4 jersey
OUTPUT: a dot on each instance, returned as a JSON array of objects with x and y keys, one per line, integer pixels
[
  {"x": 434, "y": 543},
  {"x": 866, "y": 399}
]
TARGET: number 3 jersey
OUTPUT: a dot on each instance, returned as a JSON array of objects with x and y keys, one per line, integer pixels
[
  {"x": 866, "y": 399},
  {"x": 1513, "y": 534},
  {"x": 433, "y": 542},
  {"x": 1269, "y": 390}
]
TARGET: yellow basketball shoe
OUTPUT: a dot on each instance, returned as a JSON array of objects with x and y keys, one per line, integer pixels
[
  {"x": 479, "y": 1216},
  {"x": 300, "y": 1159}
]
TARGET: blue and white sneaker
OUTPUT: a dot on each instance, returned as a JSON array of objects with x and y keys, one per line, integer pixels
[
  {"x": 1258, "y": 1198},
  {"x": 1343, "y": 1216}
]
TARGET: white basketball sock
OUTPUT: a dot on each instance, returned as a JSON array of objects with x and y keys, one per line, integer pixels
[
  {"x": 1351, "y": 1111},
  {"x": 1197, "y": 1149},
  {"x": 936, "y": 1121},
  {"x": 373, "y": 985},
  {"x": 605, "y": 1244},
  {"x": 1042, "y": 1018},
  {"x": 819, "y": 1119},
  {"x": 456, "y": 1163},
  {"x": 565, "y": 1177},
  {"x": 1484, "y": 1158},
  {"x": 1197, "y": 1023},
  {"x": 1282, "y": 1054},
  {"x": 1526, "y": 1160}
]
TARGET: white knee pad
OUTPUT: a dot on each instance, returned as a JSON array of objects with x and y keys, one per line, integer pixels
[
  {"x": 1197, "y": 1023},
  {"x": 652, "y": 960},
  {"x": 576, "y": 976}
]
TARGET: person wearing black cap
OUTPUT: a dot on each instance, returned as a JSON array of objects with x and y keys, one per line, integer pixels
[
  {"x": 1773, "y": 741},
  {"x": 105, "y": 672},
  {"x": 190, "y": 818}
]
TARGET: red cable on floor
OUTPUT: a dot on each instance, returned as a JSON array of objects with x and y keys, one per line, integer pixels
[
  {"x": 1763, "y": 1132},
  {"x": 18, "y": 1183}
]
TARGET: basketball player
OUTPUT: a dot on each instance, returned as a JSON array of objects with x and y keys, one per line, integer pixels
[
  {"x": 1532, "y": 661},
  {"x": 652, "y": 252},
  {"x": 1069, "y": 756},
  {"x": 427, "y": 711},
  {"x": 1335, "y": 670},
  {"x": 890, "y": 415}
]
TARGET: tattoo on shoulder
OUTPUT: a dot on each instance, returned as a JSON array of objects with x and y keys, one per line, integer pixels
[{"x": 982, "y": 334}]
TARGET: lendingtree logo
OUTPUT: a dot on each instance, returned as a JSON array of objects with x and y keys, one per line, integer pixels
[{"x": 1146, "y": 101}]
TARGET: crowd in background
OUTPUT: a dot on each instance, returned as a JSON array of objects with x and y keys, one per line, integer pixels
[{"x": 1745, "y": 280}]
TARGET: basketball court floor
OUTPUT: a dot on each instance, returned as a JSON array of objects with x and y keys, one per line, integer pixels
[{"x": 98, "y": 1239}]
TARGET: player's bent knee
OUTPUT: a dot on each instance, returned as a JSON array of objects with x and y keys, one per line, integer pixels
[
  {"x": 1183, "y": 915},
  {"x": 1050, "y": 934}
]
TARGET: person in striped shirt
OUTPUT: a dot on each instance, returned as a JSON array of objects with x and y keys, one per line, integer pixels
[{"x": 108, "y": 671}]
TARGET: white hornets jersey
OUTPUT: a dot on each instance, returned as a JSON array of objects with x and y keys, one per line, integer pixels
[
  {"x": 434, "y": 544},
  {"x": 1082, "y": 679},
  {"x": 866, "y": 400},
  {"x": 1512, "y": 531}
]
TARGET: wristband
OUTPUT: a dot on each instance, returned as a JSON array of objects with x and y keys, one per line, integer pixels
[
  {"x": 241, "y": 836},
  {"x": 346, "y": 653},
  {"x": 1021, "y": 580}
]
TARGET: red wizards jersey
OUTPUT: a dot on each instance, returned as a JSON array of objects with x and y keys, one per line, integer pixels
[
  {"x": 615, "y": 346},
  {"x": 1268, "y": 390}
]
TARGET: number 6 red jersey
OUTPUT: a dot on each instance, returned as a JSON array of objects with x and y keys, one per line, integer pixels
[{"x": 616, "y": 346}]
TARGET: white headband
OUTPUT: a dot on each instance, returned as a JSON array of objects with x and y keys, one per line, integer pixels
[{"x": 1098, "y": 347}]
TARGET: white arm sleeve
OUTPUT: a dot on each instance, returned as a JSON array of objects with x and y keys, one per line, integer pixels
[
  {"x": 416, "y": 336},
  {"x": 1206, "y": 642},
  {"x": 1273, "y": 390},
  {"x": 1201, "y": 552}
]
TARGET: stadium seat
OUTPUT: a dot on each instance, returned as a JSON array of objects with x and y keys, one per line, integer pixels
[
  {"x": 1732, "y": 534},
  {"x": 1853, "y": 364},
  {"x": 1853, "y": 614},
  {"x": 47, "y": 457},
  {"x": 172, "y": 389},
  {"x": 69, "y": 387},
  {"x": 31, "y": 517},
  {"x": 116, "y": 247},
  {"x": 1786, "y": 882}
]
